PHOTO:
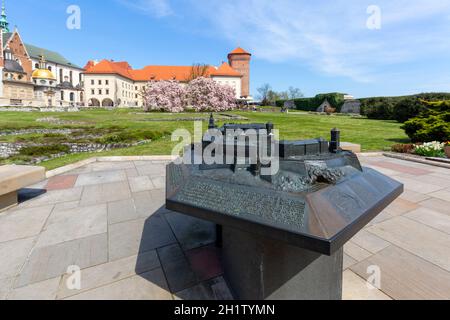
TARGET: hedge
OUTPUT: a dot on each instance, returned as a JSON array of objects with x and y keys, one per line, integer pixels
[{"x": 312, "y": 104}]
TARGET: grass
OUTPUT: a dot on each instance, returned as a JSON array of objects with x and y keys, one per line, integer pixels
[{"x": 373, "y": 135}]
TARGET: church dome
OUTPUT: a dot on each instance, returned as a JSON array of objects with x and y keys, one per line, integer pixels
[{"x": 43, "y": 74}]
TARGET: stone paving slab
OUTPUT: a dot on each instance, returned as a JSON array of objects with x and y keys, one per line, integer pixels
[{"x": 114, "y": 226}]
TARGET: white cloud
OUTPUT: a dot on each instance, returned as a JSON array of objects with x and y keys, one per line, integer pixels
[{"x": 330, "y": 37}]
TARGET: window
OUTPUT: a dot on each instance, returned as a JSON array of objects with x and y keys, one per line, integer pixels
[
  {"x": 92, "y": 91},
  {"x": 100, "y": 91},
  {"x": 61, "y": 75},
  {"x": 72, "y": 96},
  {"x": 136, "y": 88},
  {"x": 107, "y": 82},
  {"x": 107, "y": 91},
  {"x": 62, "y": 95},
  {"x": 92, "y": 82},
  {"x": 49, "y": 68},
  {"x": 36, "y": 66},
  {"x": 99, "y": 82}
]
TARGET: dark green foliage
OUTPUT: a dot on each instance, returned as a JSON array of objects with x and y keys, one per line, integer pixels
[
  {"x": 398, "y": 108},
  {"x": 131, "y": 136},
  {"x": 37, "y": 151},
  {"x": 433, "y": 124},
  {"x": 312, "y": 104}
]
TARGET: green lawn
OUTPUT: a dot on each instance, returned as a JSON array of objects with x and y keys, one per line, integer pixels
[{"x": 371, "y": 134}]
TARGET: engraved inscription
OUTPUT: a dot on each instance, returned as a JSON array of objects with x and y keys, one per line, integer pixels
[{"x": 239, "y": 201}]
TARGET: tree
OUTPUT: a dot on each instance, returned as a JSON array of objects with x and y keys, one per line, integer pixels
[
  {"x": 264, "y": 91},
  {"x": 295, "y": 93},
  {"x": 198, "y": 70},
  {"x": 205, "y": 94},
  {"x": 167, "y": 96}
]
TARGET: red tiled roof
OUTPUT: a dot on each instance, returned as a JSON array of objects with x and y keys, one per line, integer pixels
[
  {"x": 179, "y": 73},
  {"x": 239, "y": 50},
  {"x": 226, "y": 70}
]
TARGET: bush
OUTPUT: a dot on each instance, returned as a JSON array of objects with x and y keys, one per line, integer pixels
[
  {"x": 378, "y": 108},
  {"x": 403, "y": 148},
  {"x": 407, "y": 108},
  {"x": 430, "y": 149},
  {"x": 312, "y": 104},
  {"x": 431, "y": 128},
  {"x": 205, "y": 94},
  {"x": 169, "y": 96},
  {"x": 37, "y": 151}
]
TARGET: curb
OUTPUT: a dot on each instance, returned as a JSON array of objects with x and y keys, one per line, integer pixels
[{"x": 417, "y": 160}]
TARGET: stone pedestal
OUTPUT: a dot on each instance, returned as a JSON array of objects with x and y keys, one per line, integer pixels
[
  {"x": 261, "y": 268},
  {"x": 8, "y": 200}
]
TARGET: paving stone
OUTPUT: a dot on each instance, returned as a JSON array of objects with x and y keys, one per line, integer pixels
[
  {"x": 370, "y": 242},
  {"x": 159, "y": 196},
  {"x": 408, "y": 169},
  {"x": 142, "y": 183},
  {"x": 414, "y": 185},
  {"x": 423, "y": 241},
  {"x": 191, "y": 233},
  {"x": 13, "y": 255},
  {"x": 107, "y": 273},
  {"x": 348, "y": 261},
  {"x": 431, "y": 218},
  {"x": 45, "y": 290},
  {"x": 5, "y": 286},
  {"x": 383, "y": 216},
  {"x": 74, "y": 224},
  {"x": 151, "y": 169},
  {"x": 23, "y": 223},
  {"x": 437, "y": 205},
  {"x": 54, "y": 197},
  {"x": 145, "y": 203},
  {"x": 355, "y": 288},
  {"x": 159, "y": 182},
  {"x": 131, "y": 173},
  {"x": 439, "y": 180},
  {"x": 129, "y": 238},
  {"x": 49, "y": 262},
  {"x": 104, "y": 193},
  {"x": 102, "y": 177},
  {"x": 442, "y": 194},
  {"x": 148, "y": 286},
  {"x": 414, "y": 196},
  {"x": 401, "y": 206},
  {"x": 406, "y": 276},
  {"x": 214, "y": 289},
  {"x": 61, "y": 182},
  {"x": 205, "y": 262},
  {"x": 176, "y": 268},
  {"x": 356, "y": 252},
  {"x": 120, "y": 211},
  {"x": 66, "y": 206},
  {"x": 111, "y": 166}
]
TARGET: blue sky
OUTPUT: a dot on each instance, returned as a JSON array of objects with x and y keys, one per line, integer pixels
[{"x": 318, "y": 46}]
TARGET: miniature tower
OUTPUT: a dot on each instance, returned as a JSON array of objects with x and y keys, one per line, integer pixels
[
  {"x": 239, "y": 60},
  {"x": 4, "y": 25}
]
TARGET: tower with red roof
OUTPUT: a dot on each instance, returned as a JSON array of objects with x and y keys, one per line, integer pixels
[{"x": 239, "y": 60}]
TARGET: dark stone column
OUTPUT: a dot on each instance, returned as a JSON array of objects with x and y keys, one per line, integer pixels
[{"x": 259, "y": 268}]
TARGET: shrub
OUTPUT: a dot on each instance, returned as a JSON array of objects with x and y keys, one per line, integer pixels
[
  {"x": 431, "y": 128},
  {"x": 312, "y": 104},
  {"x": 403, "y": 148},
  {"x": 378, "y": 108},
  {"x": 430, "y": 149},
  {"x": 407, "y": 108},
  {"x": 37, "y": 151}
]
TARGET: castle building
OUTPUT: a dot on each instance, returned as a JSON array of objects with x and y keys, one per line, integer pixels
[
  {"x": 18, "y": 63},
  {"x": 116, "y": 84}
]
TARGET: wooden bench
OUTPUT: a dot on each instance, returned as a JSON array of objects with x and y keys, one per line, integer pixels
[{"x": 13, "y": 178}]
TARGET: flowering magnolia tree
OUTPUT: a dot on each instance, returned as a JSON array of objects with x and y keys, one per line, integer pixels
[
  {"x": 167, "y": 96},
  {"x": 205, "y": 94},
  {"x": 202, "y": 94}
]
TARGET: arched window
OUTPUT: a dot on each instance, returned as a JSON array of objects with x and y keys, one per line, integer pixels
[
  {"x": 49, "y": 68},
  {"x": 72, "y": 96},
  {"x": 62, "y": 95},
  {"x": 61, "y": 76}
]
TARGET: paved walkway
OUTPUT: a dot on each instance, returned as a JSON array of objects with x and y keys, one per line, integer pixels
[{"x": 109, "y": 219}]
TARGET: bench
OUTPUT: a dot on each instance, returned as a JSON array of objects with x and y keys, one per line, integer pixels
[{"x": 13, "y": 178}]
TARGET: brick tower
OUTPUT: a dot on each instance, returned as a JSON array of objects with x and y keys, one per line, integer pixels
[{"x": 239, "y": 60}]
